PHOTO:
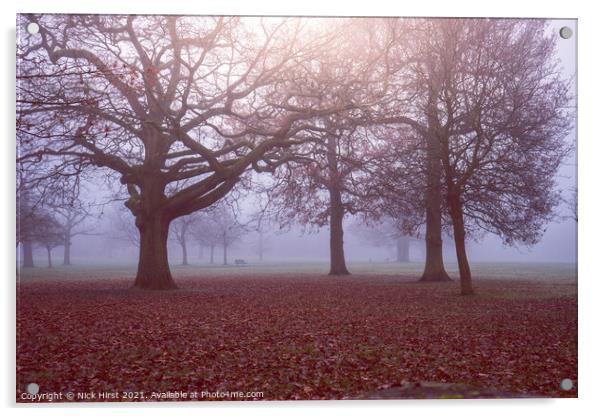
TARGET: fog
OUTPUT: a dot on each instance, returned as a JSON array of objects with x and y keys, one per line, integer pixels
[{"x": 558, "y": 244}]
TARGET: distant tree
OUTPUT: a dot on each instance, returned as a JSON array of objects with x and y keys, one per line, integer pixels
[
  {"x": 27, "y": 218},
  {"x": 323, "y": 182},
  {"x": 217, "y": 226},
  {"x": 41, "y": 205},
  {"x": 71, "y": 215},
  {"x": 48, "y": 234},
  {"x": 27, "y": 222},
  {"x": 122, "y": 226},
  {"x": 262, "y": 244},
  {"x": 204, "y": 231},
  {"x": 226, "y": 228},
  {"x": 385, "y": 233},
  {"x": 259, "y": 224},
  {"x": 181, "y": 231}
]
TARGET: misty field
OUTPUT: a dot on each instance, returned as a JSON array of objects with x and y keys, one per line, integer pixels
[{"x": 301, "y": 334}]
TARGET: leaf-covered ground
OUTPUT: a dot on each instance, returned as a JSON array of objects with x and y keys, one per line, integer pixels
[{"x": 294, "y": 337}]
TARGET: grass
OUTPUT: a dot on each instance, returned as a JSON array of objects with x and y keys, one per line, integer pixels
[{"x": 543, "y": 272}]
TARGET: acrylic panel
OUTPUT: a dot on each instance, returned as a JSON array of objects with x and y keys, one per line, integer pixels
[{"x": 295, "y": 208}]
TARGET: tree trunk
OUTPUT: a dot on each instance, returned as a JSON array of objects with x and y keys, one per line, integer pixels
[
  {"x": 434, "y": 271},
  {"x": 184, "y": 253},
  {"x": 457, "y": 216},
  {"x": 225, "y": 254},
  {"x": 153, "y": 266},
  {"x": 67, "y": 250},
  {"x": 200, "y": 251},
  {"x": 26, "y": 244},
  {"x": 212, "y": 252},
  {"x": 337, "y": 251},
  {"x": 403, "y": 250},
  {"x": 27, "y": 251},
  {"x": 337, "y": 212},
  {"x": 49, "y": 252}
]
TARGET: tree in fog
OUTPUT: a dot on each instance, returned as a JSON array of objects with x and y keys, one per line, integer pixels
[
  {"x": 226, "y": 228},
  {"x": 494, "y": 112},
  {"x": 42, "y": 204},
  {"x": 385, "y": 233},
  {"x": 325, "y": 181},
  {"x": 406, "y": 196},
  {"x": 122, "y": 226},
  {"x": 180, "y": 231},
  {"x": 261, "y": 245},
  {"x": 48, "y": 234},
  {"x": 72, "y": 216},
  {"x": 204, "y": 232},
  {"x": 27, "y": 221},
  {"x": 410, "y": 179},
  {"x": 28, "y": 218},
  {"x": 217, "y": 226},
  {"x": 176, "y": 108},
  {"x": 259, "y": 224},
  {"x": 325, "y": 185}
]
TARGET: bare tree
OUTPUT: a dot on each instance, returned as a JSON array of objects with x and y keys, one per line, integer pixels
[
  {"x": 410, "y": 179},
  {"x": 494, "y": 112},
  {"x": 321, "y": 183},
  {"x": 40, "y": 204},
  {"x": 48, "y": 234},
  {"x": 262, "y": 244},
  {"x": 227, "y": 228},
  {"x": 122, "y": 226},
  {"x": 27, "y": 222},
  {"x": 204, "y": 231},
  {"x": 406, "y": 193},
  {"x": 71, "y": 216},
  {"x": 385, "y": 233},
  {"x": 178, "y": 108},
  {"x": 572, "y": 202},
  {"x": 180, "y": 231},
  {"x": 326, "y": 184},
  {"x": 259, "y": 222},
  {"x": 217, "y": 227}
]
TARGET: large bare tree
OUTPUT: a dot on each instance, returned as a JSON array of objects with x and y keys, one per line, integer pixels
[{"x": 177, "y": 108}]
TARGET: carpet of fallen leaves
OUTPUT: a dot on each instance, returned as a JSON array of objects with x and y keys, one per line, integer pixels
[{"x": 294, "y": 337}]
